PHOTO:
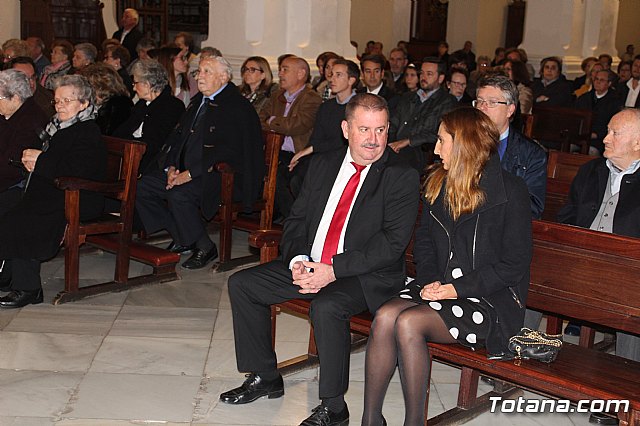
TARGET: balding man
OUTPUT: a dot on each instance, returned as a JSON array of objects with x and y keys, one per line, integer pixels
[
  {"x": 605, "y": 196},
  {"x": 291, "y": 112},
  {"x": 219, "y": 125},
  {"x": 128, "y": 35}
]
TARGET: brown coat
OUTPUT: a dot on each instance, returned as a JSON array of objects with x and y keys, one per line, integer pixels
[{"x": 299, "y": 122}]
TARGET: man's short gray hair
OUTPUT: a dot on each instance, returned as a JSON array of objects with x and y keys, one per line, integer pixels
[
  {"x": 152, "y": 72},
  {"x": 88, "y": 49},
  {"x": 503, "y": 83},
  {"x": 14, "y": 83}
]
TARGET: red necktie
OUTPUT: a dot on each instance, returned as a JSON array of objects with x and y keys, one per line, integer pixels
[{"x": 337, "y": 222}]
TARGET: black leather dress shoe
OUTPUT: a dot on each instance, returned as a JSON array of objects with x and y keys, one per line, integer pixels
[
  {"x": 603, "y": 419},
  {"x": 177, "y": 248},
  {"x": 253, "y": 388},
  {"x": 200, "y": 258},
  {"x": 18, "y": 299},
  {"x": 322, "y": 416}
]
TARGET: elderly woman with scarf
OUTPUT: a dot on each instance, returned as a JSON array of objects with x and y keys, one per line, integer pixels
[{"x": 31, "y": 232}]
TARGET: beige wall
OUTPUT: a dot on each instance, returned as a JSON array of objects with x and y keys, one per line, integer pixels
[
  {"x": 9, "y": 20},
  {"x": 483, "y": 22},
  {"x": 371, "y": 20},
  {"x": 628, "y": 25}
]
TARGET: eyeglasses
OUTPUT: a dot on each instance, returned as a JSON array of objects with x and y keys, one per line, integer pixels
[
  {"x": 490, "y": 103},
  {"x": 65, "y": 101},
  {"x": 251, "y": 70},
  {"x": 4, "y": 97}
]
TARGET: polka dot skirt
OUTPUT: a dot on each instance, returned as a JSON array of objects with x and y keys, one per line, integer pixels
[{"x": 467, "y": 319}]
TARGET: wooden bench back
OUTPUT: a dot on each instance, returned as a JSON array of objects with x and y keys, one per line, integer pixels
[
  {"x": 586, "y": 275},
  {"x": 561, "y": 169},
  {"x": 272, "y": 145},
  {"x": 123, "y": 160},
  {"x": 562, "y": 127}
]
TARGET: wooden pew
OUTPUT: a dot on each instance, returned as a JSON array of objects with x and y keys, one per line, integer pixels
[
  {"x": 112, "y": 232},
  {"x": 576, "y": 273},
  {"x": 228, "y": 218},
  {"x": 561, "y": 169},
  {"x": 561, "y": 127}
]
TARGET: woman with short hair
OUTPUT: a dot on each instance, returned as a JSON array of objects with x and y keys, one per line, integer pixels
[
  {"x": 31, "y": 232},
  {"x": 156, "y": 113},
  {"x": 84, "y": 54},
  {"x": 473, "y": 250},
  {"x": 61, "y": 54}
]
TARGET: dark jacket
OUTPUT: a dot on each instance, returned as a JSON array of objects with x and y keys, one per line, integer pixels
[
  {"x": 379, "y": 227},
  {"x": 587, "y": 192},
  {"x": 18, "y": 133},
  {"x": 130, "y": 41},
  {"x": 327, "y": 130},
  {"x": 159, "y": 118},
  {"x": 229, "y": 132},
  {"x": 419, "y": 123},
  {"x": 623, "y": 92},
  {"x": 526, "y": 159},
  {"x": 559, "y": 92},
  {"x": 603, "y": 109},
  {"x": 115, "y": 111},
  {"x": 493, "y": 246},
  {"x": 387, "y": 93},
  {"x": 35, "y": 227}
]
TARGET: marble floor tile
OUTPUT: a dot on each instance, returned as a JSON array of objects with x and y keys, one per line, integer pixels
[
  {"x": 139, "y": 397},
  {"x": 224, "y": 325},
  {"x": 47, "y": 351},
  {"x": 180, "y": 294},
  {"x": 151, "y": 355},
  {"x": 68, "y": 318},
  {"x": 193, "y": 323},
  {"x": 104, "y": 422},
  {"x": 7, "y": 315},
  {"x": 221, "y": 361},
  {"x": 26, "y": 421},
  {"x": 36, "y": 393}
]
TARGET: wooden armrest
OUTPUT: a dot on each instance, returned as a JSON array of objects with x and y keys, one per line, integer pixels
[
  {"x": 76, "y": 183},
  {"x": 223, "y": 168},
  {"x": 265, "y": 238}
]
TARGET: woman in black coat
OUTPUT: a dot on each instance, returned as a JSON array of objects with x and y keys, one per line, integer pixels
[
  {"x": 473, "y": 250},
  {"x": 32, "y": 231},
  {"x": 20, "y": 123},
  {"x": 156, "y": 113}
]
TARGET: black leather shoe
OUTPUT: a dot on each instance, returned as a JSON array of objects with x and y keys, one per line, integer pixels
[
  {"x": 603, "y": 419},
  {"x": 322, "y": 416},
  {"x": 18, "y": 299},
  {"x": 253, "y": 388},
  {"x": 177, "y": 248},
  {"x": 572, "y": 329},
  {"x": 200, "y": 258}
]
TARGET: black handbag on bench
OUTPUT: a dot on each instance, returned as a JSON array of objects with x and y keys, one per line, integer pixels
[{"x": 534, "y": 344}]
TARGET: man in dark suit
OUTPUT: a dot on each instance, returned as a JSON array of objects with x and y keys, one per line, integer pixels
[
  {"x": 219, "y": 125},
  {"x": 372, "y": 76},
  {"x": 552, "y": 88},
  {"x": 343, "y": 248},
  {"x": 417, "y": 117},
  {"x": 128, "y": 34},
  {"x": 398, "y": 61}
]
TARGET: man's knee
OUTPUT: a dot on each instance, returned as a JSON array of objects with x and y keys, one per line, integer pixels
[
  {"x": 236, "y": 283},
  {"x": 325, "y": 308}
]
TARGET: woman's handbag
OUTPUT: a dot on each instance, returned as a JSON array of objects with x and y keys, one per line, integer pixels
[{"x": 533, "y": 344}]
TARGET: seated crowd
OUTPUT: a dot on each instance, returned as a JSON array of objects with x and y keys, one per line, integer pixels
[{"x": 348, "y": 204}]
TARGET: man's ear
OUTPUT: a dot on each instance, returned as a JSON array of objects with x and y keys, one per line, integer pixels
[
  {"x": 345, "y": 129},
  {"x": 440, "y": 79},
  {"x": 511, "y": 109}
]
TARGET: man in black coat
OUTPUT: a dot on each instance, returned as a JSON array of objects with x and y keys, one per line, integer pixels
[
  {"x": 219, "y": 125},
  {"x": 552, "y": 88},
  {"x": 373, "y": 78},
  {"x": 605, "y": 196},
  {"x": 497, "y": 96},
  {"x": 603, "y": 102},
  {"x": 128, "y": 35},
  {"x": 628, "y": 96},
  {"x": 344, "y": 266},
  {"x": 415, "y": 122}
]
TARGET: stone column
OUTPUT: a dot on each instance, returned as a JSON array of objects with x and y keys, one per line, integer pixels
[
  {"x": 269, "y": 28},
  {"x": 570, "y": 30}
]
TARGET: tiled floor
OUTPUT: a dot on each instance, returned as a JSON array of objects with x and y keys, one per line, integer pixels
[{"x": 162, "y": 354}]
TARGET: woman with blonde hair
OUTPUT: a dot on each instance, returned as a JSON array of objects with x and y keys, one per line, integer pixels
[
  {"x": 112, "y": 97},
  {"x": 257, "y": 81},
  {"x": 472, "y": 249}
]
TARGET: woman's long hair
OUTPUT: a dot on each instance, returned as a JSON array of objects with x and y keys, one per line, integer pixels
[
  {"x": 265, "y": 84},
  {"x": 475, "y": 138}
]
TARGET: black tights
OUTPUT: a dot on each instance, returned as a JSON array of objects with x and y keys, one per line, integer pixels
[{"x": 399, "y": 334}]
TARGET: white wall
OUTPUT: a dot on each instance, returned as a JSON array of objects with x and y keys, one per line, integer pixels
[{"x": 9, "y": 20}]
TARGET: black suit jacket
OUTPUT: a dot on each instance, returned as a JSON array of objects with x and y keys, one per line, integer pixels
[
  {"x": 623, "y": 92},
  {"x": 229, "y": 132},
  {"x": 388, "y": 94},
  {"x": 379, "y": 227},
  {"x": 130, "y": 41}
]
